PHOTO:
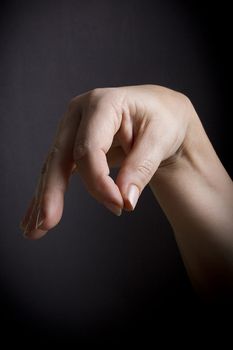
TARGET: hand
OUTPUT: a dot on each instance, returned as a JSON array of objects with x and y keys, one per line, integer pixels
[
  {"x": 136, "y": 128},
  {"x": 155, "y": 136}
]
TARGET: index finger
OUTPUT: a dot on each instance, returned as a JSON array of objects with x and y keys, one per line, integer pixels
[
  {"x": 94, "y": 139},
  {"x": 53, "y": 181}
]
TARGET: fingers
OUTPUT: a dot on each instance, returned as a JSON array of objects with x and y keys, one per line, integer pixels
[
  {"x": 94, "y": 139},
  {"x": 47, "y": 207},
  {"x": 139, "y": 166},
  {"x": 26, "y": 217},
  {"x": 84, "y": 138}
]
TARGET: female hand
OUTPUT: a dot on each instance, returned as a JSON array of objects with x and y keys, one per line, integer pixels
[
  {"x": 138, "y": 128},
  {"x": 155, "y": 136}
]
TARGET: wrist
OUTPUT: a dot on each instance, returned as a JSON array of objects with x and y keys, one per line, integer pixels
[
  {"x": 196, "y": 148},
  {"x": 193, "y": 151},
  {"x": 195, "y": 158}
]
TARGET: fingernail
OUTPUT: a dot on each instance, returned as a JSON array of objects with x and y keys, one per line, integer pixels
[
  {"x": 34, "y": 222},
  {"x": 113, "y": 208},
  {"x": 27, "y": 216},
  {"x": 39, "y": 219},
  {"x": 25, "y": 230},
  {"x": 132, "y": 197}
]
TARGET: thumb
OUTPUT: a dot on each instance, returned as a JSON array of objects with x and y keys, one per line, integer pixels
[{"x": 138, "y": 167}]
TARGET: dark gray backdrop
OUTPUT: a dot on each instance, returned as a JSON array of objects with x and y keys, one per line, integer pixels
[{"x": 94, "y": 272}]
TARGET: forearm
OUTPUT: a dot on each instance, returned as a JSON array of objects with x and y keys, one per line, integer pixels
[{"x": 196, "y": 194}]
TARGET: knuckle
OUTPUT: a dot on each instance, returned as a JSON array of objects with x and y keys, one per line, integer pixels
[
  {"x": 146, "y": 168},
  {"x": 94, "y": 94},
  {"x": 184, "y": 100},
  {"x": 96, "y": 91},
  {"x": 103, "y": 98},
  {"x": 93, "y": 99},
  {"x": 103, "y": 93},
  {"x": 81, "y": 149}
]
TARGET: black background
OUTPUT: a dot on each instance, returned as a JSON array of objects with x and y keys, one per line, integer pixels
[{"x": 97, "y": 274}]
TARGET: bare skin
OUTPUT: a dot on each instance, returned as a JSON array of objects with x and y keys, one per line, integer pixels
[{"x": 155, "y": 137}]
